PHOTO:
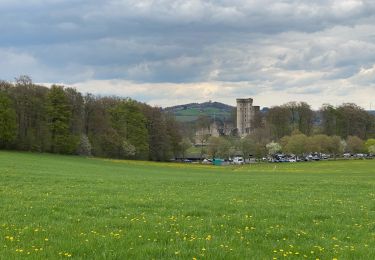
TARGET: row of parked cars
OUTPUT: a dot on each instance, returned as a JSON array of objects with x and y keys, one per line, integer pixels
[
  {"x": 314, "y": 157},
  {"x": 293, "y": 158},
  {"x": 279, "y": 158},
  {"x": 238, "y": 160},
  {"x": 358, "y": 156}
]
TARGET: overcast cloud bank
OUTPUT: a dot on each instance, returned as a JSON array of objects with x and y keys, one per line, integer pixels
[{"x": 170, "y": 52}]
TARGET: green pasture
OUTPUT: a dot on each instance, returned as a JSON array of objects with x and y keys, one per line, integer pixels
[
  {"x": 70, "y": 207},
  {"x": 192, "y": 114}
]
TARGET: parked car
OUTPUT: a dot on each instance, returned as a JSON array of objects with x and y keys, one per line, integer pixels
[
  {"x": 360, "y": 155},
  {"x": 238, "y": 160},
  {"x": 207, "y": 161}
]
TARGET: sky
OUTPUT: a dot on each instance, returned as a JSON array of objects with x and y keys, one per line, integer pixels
[{"x": 166, "y": 52}]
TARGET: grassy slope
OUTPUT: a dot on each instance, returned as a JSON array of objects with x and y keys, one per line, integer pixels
[
  {"x": 53, "y": 206},
  {"x": 192, "y": 114}
]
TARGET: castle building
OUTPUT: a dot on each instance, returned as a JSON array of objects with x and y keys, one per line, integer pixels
[{"x": 246, "y": 115}]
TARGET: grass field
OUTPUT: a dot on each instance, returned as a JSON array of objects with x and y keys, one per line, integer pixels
[
  {"x": 192, "y": 114},
  {"x": 59, "y": 206}
]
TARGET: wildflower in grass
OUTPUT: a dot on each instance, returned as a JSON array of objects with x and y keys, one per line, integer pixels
[{"x": 10, "y": 238}]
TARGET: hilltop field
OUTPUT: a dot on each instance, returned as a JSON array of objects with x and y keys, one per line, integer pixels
[{"x": 54, "y": 206}]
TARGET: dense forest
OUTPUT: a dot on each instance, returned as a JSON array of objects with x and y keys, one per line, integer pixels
[{"x": 59, "y": 119}]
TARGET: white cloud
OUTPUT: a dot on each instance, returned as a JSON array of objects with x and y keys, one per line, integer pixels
[{"x": 169, "y": 94}]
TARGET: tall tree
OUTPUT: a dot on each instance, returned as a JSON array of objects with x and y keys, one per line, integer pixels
[
  {"x": 278, "y": 118},
  {"x": 8, "y": 123},
  {"x": 59, "y": 116},
  {"x": 76, "y": 105},
  {"x": 174, "y": 133},
  {"x": 329, "y": 119},
  {"x": 353, "y": 120},
  {"x": 159, "y": 141},
  {"x": 305, "y": 118},
  {"x": 29, "y": 103},
  {"x": 130, "y": 123}
]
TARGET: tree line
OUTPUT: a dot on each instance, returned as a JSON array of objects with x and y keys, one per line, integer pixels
[
  {"x": 61, "y": 120},
  {"x": 297, "y": 143},
  {"x": 297, "y": 129},
  {"x": 345, "y": 120}
]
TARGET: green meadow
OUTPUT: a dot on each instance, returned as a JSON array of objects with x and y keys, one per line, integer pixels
[{"x": 55, "y": 206}]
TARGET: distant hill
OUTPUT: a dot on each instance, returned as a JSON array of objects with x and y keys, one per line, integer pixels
[
  {"x": 372, "y": 112},
  {"x": 190, "y": 112}
]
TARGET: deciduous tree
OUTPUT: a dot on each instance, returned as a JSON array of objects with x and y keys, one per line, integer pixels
[{"x": 8, "y": 124}]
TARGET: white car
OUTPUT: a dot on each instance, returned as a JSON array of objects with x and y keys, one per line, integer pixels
[{"x": 238, "y": 160}]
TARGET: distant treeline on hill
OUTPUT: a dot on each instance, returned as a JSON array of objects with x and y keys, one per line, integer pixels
[{"x": 61, "y": 120}]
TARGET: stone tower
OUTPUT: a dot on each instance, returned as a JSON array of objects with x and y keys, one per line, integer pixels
[{"x": 245, "y": 115}]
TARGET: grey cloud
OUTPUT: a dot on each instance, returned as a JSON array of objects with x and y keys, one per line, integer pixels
[{"x": 255, "y": 46}]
